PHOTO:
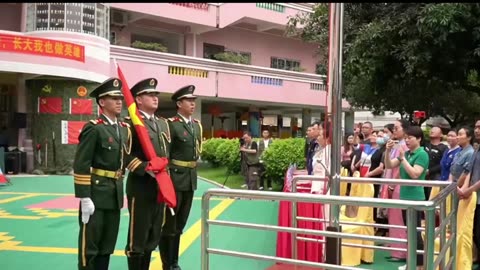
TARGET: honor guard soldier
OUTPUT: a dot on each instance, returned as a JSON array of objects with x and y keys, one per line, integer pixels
[
  {"x": 98, "y": 177},
  {"x": 186, "y": 146},
  {"x": 146, "y": 214}
]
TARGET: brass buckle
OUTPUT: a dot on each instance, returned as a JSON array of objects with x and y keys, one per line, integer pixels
[{"x": 118, "y": 174}]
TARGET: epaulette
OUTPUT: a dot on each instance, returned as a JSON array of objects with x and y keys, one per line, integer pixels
[
  {"x": 94, "y": 121},
  {"x": 175, "y": 119},
  {"x": 100, "y": 121},
  {"x": 196, "y": 120},
  {"x": 97, "y": 121},
  {"x": 123, "y": 124},
  {"x": 127, "y": 118}
]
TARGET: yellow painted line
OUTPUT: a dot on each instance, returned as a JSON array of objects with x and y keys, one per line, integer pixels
[
  {"x": 186, "y": 241},
  {"x": 17, "y": 198},
  {"x": 192, "y": 233}
]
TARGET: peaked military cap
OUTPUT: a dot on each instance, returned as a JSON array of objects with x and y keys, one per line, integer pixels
[
  {"x": 145, "y": 86},
  {"x": 111, "y": 87},
  {"x": 184, "y": 92}
]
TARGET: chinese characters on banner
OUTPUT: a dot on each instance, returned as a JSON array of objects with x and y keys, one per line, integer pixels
[
  {"x": 71, "y": 130},
  {"x": 41, "y": 46}
]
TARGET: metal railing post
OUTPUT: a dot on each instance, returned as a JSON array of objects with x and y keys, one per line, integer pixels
[
  {"x": 453, "y": 231},
  {"x": 411, "y": 238},
  {"x": 443, "y": 231},
  {"x": 205, "y": 231},
  {"x": 429, "y": 241},
  {"x": 294, "y": 235}
]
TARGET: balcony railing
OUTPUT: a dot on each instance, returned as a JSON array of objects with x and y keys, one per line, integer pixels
[
  {"x": 201, "y": 6},
  {"x": 200, "y": 67}
]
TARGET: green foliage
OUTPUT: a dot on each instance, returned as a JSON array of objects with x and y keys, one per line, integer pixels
[
  {"x": 209, "y": 148},
  {"x": 151, "y": 46},
  {"x": 406, "y": 56},
  {"x": 280, "y": 154},
  {"x": 228, "y": 154},
  {"x": 232, "y": 57}
]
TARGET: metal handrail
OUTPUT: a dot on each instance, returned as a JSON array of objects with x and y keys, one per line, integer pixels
[
  {"x": 431, "y": 232},
  {"x": 411, "y": 207}
]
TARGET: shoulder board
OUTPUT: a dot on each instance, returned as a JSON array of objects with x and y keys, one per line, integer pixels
[
  {"x": 141, "y": 116},
  {"x": 174, "y": 119},
  {"x": 94, "y": 122},
  {"x": 127, "y": 118},
  {"x": 196, "y": 120},
  {"x": 123, "y": 124},
  {"x": 100, "y": 121}
]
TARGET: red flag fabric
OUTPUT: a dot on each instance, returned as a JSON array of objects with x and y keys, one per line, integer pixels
[
  {"x": 81, "y": 106},
  {"x": 164, "y": 182},
  {"x": 51, "y": 105},
  {"x": 71, "y": 130}
]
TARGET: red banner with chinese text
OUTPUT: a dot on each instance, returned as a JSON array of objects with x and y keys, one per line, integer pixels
[
  {"x": 71, "y": 130},
  {"x": 41, "y": 46},
  {"x": 51, "y": 105},
  {"x": 81, "y": 106}
]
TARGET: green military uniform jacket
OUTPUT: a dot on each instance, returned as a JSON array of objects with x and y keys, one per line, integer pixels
[
  {"x": 140, "y": 184},
  {"x": 184, "y": 152},
  {"x": 99, "y": 163}
]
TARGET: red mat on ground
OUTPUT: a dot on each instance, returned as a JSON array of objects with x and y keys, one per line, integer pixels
[{"x": 65, "y": 202}]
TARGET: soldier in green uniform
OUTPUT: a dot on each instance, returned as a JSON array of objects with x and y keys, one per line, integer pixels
[
  {"x": 185, "y": 149},
  {"x": 98, "y": 177},
  {"x": 146, "y": 214}
]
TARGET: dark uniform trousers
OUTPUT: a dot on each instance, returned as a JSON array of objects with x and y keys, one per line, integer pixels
[
  {"x": 97, "y": 238},
  {"x": 173, "y": 228},
  {"x": 144, "y": 230}
]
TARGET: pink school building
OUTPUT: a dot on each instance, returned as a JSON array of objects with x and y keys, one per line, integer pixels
[{"x": 246, "y": 71}]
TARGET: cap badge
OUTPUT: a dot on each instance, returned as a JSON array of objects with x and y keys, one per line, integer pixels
[
  {"x": 115, "y": 83},
  {"x": 152, "y": 82}
]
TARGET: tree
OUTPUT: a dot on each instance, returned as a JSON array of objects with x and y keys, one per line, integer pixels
[{"x": 406, "y": 56}]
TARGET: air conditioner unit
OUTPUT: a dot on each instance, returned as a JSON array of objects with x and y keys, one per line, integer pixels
[{"x": 119, "y": 18}]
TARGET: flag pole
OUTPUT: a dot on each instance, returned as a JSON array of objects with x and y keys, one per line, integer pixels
[{"x": 333, "y": 245}]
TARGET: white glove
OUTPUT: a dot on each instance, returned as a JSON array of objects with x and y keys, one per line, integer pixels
[{"x": 87, "y": 209}]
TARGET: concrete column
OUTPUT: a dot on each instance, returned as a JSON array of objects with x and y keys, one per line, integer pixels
[
  {"x": 349, "y": 121},
  {"x": 306, "y": 120},
  {"x": 198, "y": 112},
  {"x": 21, "y": 107}
]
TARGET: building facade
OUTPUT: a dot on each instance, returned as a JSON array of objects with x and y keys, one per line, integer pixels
[{"x": 247, "y": 72}]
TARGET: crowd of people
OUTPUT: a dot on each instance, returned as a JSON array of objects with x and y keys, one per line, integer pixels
[{"x": 400, "y": 151}]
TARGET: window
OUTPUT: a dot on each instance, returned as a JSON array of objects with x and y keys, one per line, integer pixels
[
  {"x": 85, "y": 18},
  {"x": 286, "y": 64},
  {"x": 209, "y": 50}
]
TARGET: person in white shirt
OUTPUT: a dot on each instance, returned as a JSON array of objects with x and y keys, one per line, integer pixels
[{"x": 263, "y": 145}]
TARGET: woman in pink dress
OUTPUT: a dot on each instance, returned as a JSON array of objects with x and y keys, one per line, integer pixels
[{"x": 395, "y": 215}]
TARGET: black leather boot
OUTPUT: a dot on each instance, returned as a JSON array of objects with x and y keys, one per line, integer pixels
[
  {"x": 176, "y": 249},
  {"x": 135, "y": 262},
  {"x": 146, "y": 260},
  {"x": 166, "y": 252},
  {"x": 102, "y": 262}
]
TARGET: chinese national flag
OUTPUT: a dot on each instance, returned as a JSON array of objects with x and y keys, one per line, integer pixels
[
  {"x": 50, "y": 105},
  {"x": 81, "y": 106},
  {"x": 71, "y": 130}
]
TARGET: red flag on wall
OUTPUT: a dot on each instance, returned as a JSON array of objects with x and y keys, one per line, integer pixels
[
  {"x": 50, "y": 105},
  {"x": 81, "y": 106},
  {"x": 71, "y": 130}
]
